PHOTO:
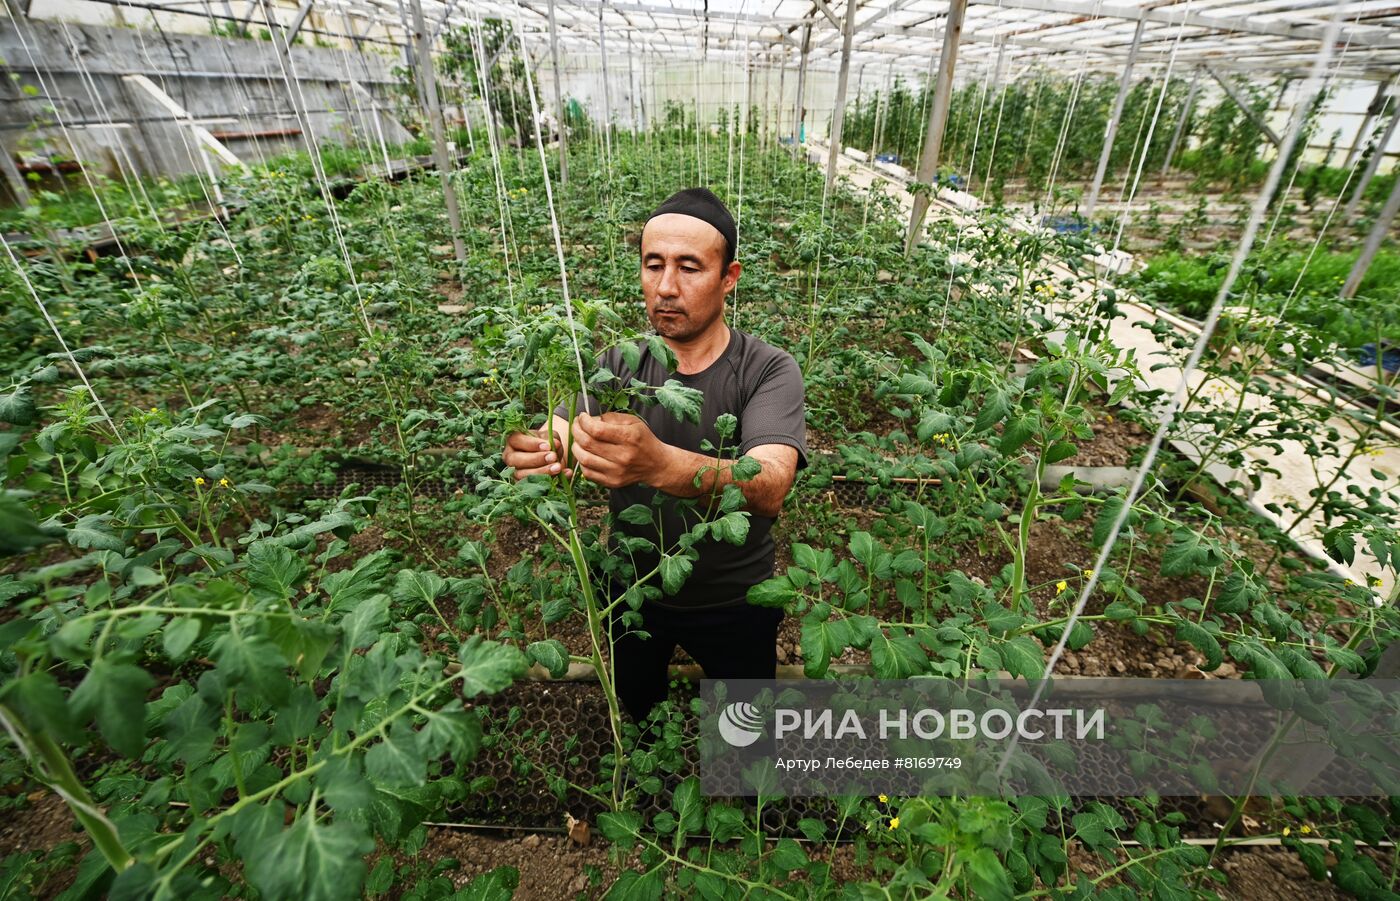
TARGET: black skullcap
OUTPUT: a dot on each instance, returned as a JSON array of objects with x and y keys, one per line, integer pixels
[{"x": 702, "y": 204}]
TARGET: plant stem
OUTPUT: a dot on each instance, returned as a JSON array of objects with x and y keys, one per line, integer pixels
[{"x": 53, "y": 768}]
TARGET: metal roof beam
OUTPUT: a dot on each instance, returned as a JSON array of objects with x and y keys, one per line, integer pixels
[{"x": 1367, "y": 37}]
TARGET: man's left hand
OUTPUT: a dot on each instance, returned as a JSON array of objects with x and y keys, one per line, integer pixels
[{"x": 617, "y": 449}]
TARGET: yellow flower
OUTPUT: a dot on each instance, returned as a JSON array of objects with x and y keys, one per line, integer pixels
[
  {"x": 199, "y": 480},
  {"x": 1108, "y": 417},
  {"x": 224, "y": 483},
  {"x": 1305, "y": 829},
  {"x": 1287, "y": 831},
  {"x": 1375, "y": 581},
  {"x": 1088, "y": 573},
  {"x": 1061, "y": 585},
  {"x": 894, "y": 823},
  {"x": 1349, "y": 583},
  {"x": 884, "y": 799},
  {"x": 154, "y": 410}
]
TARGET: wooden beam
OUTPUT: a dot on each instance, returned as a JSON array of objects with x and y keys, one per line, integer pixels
[{"x": 831, "y": 16}]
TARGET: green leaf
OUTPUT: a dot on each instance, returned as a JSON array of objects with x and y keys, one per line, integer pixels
[
  {"x": 898, "y": 657},
  {"x": 42, "y": 705},
  {"x": 994, "y": 410},
  {"x": 414, "y": 588},
  {"x": 254, "y": 663},
  {"x": 498, "y": 885},
  {"x": 1240, "y": 591},
  {"x": 789, "y": 856},
  {"x": 634, "y": 886},
  {"x": 631, "y": 355},
  {"x": 1022, "y": 656},
  {"x": 662, "y": 352},
  {"x": 675, "y": 569},
  {"x": 274, "y": 572},
  {"x": 933, "y": 422},
  {"x": 1340, "y": 544},
  {"x": 1199, "y": 638},
  {"x": 987, "y": 876},
  {"x": 862, "y": 547},
  {"x": 551, "y": 654},
  {"x": 312, "y": 861},
  {"x": 488, "y": 667},
  {"x": 822, "y": 639},
  {"x": 1108, "y": 511},
  {"x": 774, "y": 592},
  {"x": 19, "y": 527},
  {"x": 681, "y": 401},
  {"x": 690, "y": 811},
  {"x": 732, "y": 528},
  {"x": 17, "y": 407},
  {"x": 1190, "y": 553},
  {"x": 744, "y": 469},
  {"x": 1060, "y": 450},
  {"x": 1347, "y": 659},
  {"x": 92, "y": 532},
  {"x": 621, "y": 828},
  {"x": 637, "y": 515},
  {"x": 115, "y": 693},
  {"x": 180, "y": 635},
  {"x": 398, "y": 760},
  {"x": 351, "y": 586},
  {"x": 363, "y": 624},
  {"x": 1018, "y": 431}
]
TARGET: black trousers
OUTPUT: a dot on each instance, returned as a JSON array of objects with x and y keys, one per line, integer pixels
[{"x": 738, "y": 642}]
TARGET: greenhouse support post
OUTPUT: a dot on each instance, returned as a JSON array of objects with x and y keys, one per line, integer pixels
[
  {"x": 409, "y": 55},
  {"x": 558, "y": 100},
  {"x": 1372, "y": 166},
  {"x": 1376, "y": 107},
  {"x": 607, "y": 94},
  {"x": 799, "y": 111},
  {"x": 1181, "y": 120},
  {"x": 1373, "y": 240},
  {"x": 14, "y": 179},
  {"x": 1243, "y": 103},
  {"x": 1114, "y": 118},
  {"x": 937, "y": 119},
  {"x": 444, "y": 163},
  {"x": 838, "y": 114}
]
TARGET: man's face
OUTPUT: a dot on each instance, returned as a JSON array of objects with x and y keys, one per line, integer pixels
[{"x": 684, "y": 279}]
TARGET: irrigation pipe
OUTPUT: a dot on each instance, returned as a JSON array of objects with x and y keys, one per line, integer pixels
[
  {"x": 1319, "y": 67},
  {"x": 803, "y": 840}
]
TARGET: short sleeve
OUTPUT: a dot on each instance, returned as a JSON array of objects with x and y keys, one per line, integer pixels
[
  {"x": 611, "y": 360},
  {"x": 776, "y": 412}
]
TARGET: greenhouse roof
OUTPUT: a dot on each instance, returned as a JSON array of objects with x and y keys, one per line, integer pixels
[{"x": 1267, "y": 37}]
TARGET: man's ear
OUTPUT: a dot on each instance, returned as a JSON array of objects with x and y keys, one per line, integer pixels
[{"x": 731, "y": 276}]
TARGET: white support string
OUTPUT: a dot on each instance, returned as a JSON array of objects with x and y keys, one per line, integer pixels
[
  {"x": 213, "y": 200},
  {"x": 53, "y": 326},
  {"x": 287, "y": 64},
  {"x": 1125, "y": 213},
  {"x": 498, "y": 173},
  {"x": 553, "y": 216},
  {"x": 1168, "y": 412},
  {"x": 72, "y": 145}
]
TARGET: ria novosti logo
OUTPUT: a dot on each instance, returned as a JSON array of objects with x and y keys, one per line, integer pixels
[{"x": 740, "y": 724}]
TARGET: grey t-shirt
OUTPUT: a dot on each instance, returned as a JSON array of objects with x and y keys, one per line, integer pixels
[{"x": 762, "y": 387}]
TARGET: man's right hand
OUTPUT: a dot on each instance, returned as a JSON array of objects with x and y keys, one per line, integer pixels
[{"x": 532, "y": 455}]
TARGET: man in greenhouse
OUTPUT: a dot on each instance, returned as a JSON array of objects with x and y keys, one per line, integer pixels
[{"x": 688, "y": 271}]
